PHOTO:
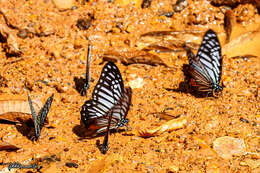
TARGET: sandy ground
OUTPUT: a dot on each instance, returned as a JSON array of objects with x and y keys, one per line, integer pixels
[{"x": 43, "y": 50}]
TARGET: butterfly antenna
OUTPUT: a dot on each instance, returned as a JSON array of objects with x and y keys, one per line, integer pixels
[
  {"x": 87, "y": 80},
  {"x": 37, "y": 131},
  {"x": 190, "y": 54}
]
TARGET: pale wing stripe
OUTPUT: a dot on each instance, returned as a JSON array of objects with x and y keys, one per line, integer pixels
[{"x": 206, "y": 63}]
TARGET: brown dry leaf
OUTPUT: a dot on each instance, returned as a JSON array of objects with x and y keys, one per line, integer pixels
[
  {"x": 134, "y": 57},
  {"x": 229, "y": 21},
  {"x": 12, "y": 45},
  {"x": 244, "y": 44},
  {"x": 103, "y": 164},
  {"x": 163, "y": 33},
  {"x": 251, "y": 163},
  {"x": 228, "y": 146},
  {"x": 17, "y": 110},
  {"x": 166, "y": 127},
  {"x": 7, "y": 146}
]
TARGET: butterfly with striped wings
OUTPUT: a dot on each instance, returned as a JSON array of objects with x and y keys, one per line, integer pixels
[
  {"x": 38, "y": 121},
  {"x": 204, "y": 70},
  {"x": 108, "y": 108}
]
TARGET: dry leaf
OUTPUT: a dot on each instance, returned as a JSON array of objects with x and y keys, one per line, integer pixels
[
  {"x": 16, "y": 111},
  {"x": 103, "y": 164},
  {"x": 251, "y": 163},
  {"x": 134, "y": 57},
  {"x": 166, "y": 127},
  {"x": 7, "y": 146},
  {"x": 12, "y": 44}
]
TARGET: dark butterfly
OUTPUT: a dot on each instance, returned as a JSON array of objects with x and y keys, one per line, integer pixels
[
  {"x": 38, "y": 121},
  {"x": 109, "y": 105},
  {"x": 204, "y": 70},
  {"x": 87, "y": 80}
]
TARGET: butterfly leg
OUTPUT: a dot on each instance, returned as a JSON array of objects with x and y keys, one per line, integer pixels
[{"x": 104, "y": 146}]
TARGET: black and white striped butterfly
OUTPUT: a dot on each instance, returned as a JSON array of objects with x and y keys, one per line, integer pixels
[
  {"x": 204, "y": 70},
  {"x": 108, "y": 108},
  {"x": 38, "y": 121}
]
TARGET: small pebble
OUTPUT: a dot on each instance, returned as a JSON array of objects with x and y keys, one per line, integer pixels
[
  {"x": 244, "y": 120},
  {"x": 83, "y": 23},
  {"x": 51, "y": 138},
  {"x": 74, "y": 7},
  {"x": 23, "y": 33},
  {"x": 228, "y": 146},
  {"x": 72, "y": 165},
  {"x": 64, "y": 4},
  {"x": 146, "y": 3},
  {"x": 167, "y": 14},
  {"x": 180, "y": 5}
]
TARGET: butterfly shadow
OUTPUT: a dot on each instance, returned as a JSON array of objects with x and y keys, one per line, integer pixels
[
  {"x": 184, "y": 86},
  {"x": 79, "y": 84},
  {"x": 84, "y": 133},
  {"x": 26, "y": 129},
  {"x": 81, "y": 131}
]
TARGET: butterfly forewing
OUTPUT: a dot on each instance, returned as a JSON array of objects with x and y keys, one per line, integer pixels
[
  {"x": 206, "y": 68},
  {"x": 44, "y": 111},
  {"x": 209, "y": 55},
  {"x": 109, "y": 88},
  {"x": 35, "y": 118}
]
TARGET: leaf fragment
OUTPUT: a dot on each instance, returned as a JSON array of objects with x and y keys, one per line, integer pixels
[{"x": 166, "y": 127}]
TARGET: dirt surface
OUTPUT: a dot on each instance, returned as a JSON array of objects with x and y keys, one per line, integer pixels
[{"x": 43, "y": 50}]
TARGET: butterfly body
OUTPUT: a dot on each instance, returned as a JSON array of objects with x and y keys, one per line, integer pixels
[
  {"x": 205, "y": 69},
  {"x": 108, "y": 108}
]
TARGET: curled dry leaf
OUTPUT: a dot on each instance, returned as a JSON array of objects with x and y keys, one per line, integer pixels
[
  {"x": 229, "y": 22},
  {"x": 244, "y": 44},
  {"x": 12, "y": 45},
  {"x": 7, "y": 146},
  {"x": 134, "y": 57},
  {"x": 251, "y": 163},
  {"x": 17, "y": 110},
  {"x": 103, "y": 164},
  {"x": 166, "y": 127},
  {"x": 234, "y": 3},
  {"x": 163, "y": 33}
]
